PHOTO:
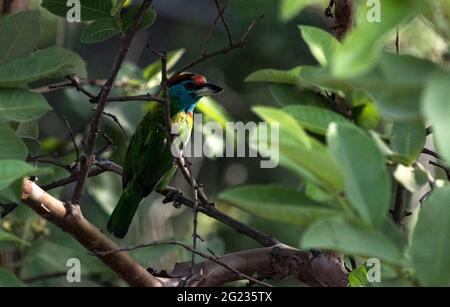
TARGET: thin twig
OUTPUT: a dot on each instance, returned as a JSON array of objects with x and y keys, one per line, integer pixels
[
  {"x": 225, "y": 50},
  {"x": 443, "y": 167},
  {"x": 79, "y": 88},
  {"x": 116, "y": 121},
  {"x": 218, "y": 215},
  {"x": 430, "y": 153},
  {"x": 145, "y": 98},
  {"x": 187, "y": 247},
  {"x": 72, "y": 137},
  {"x": 95, "y": 82},
  {"x": 221, "y": 12},
  {"x": 50, "y": 162}
]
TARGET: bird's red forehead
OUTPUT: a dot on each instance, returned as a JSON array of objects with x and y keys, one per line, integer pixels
[{"x": 199, "y": 80}]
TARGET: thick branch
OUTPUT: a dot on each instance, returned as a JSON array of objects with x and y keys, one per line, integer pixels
[
  {"x": 344, "y": 17},
  {"x": 86, "y": 234},
  {"x": 274, "y": 262}
]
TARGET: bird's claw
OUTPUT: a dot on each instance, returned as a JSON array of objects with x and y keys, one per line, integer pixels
[{"x": 173, "y": 197}]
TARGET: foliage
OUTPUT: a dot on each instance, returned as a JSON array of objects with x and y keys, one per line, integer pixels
[
  {"x": 339, "y": 172},
  {"x": 391, "y": 97}
]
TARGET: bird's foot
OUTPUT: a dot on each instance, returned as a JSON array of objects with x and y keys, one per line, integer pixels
[{"x": 173, "y": 197}]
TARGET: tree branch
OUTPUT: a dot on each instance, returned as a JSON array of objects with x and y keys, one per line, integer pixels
[
  {"x": 274, "y": 262},
  {"x": 102, "y": 101},
  {"x": 86, "y": 234},
  {"x": 344, "y": 17}
]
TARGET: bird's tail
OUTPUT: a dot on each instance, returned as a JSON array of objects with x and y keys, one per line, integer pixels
[{"x": 123, "y": 213}]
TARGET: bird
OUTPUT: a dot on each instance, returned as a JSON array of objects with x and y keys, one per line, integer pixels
[{"x": 148, "y": 163}]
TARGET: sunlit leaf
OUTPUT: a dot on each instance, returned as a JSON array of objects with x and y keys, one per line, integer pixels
[
  {"x": 322, "y": 44},
  {"x": 314, "y": 119}
]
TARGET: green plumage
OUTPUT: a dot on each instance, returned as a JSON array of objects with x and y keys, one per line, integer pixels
[{"x": 149, "y": 160}]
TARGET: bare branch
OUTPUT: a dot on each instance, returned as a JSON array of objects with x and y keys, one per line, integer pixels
[
  {"x": 221, "y": 12},
  {"x": 145, "y": 98},
  {"x": 79, "y": 88},
  {"x": 72, "y": 137},
  {"x": 192, "y": 250},
  {"x": 49, "y": 162},
  {"x": 225, "y": 50},
  {"x": 102, "y": 100},
  {"x": 431, "y": 153}
]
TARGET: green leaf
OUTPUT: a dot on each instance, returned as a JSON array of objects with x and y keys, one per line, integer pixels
[
  {"x": 397, "y": 84},
  {"x": 436, "y": 107},
  {"x": 314, "y": 119},
  {"x": 367, "y": 116},
  {"x": 214, "y": 111},
  {"x": 277, "y": 203},
  {"x": 322, "y": 44},
  {"x": 117, "y": 7},
  {"x": 9, "y": 237},
  {"x": 408, "y": 138},
  {"x": 51, "y": 62},
  {"x": 19, "y": 34},
  {"x": 12, "y": 147},
  {"x": 28, "y": 130},
  {"x": 299, "y": 153},
  {"x": 343, "y": 236},
  {"x": 411, "y": 178},
  {"x": 130, "y": 16},
  {"x": 430, "y": 247},
  {"x": 358, "y": 277},
  {"x": 11, "y": 170},
  {"x": 368, "y": 181},
  {"x": 364, "y": 110},
  {"x": 21, "y": 105},
  {"x": 100, "y": 30},
  {"x": 276, "y": 76},
  {"x": 8, "y": 279},
  {"x": 290, "y": 129},
  {"x": 153, "y": 70},
  {"x": 289, "y": 94},
  {"x": 13, "y": 193},
  {"x": 290, "y": 8},
  {"x": 90, "y": 9},
  {"x": 361, "y": 47}
]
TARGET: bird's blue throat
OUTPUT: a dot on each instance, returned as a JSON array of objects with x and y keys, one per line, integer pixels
[{"x": 182, "y": 99}]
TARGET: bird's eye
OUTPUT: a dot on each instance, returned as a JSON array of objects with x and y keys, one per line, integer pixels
[{"x": 189, "y": 86}]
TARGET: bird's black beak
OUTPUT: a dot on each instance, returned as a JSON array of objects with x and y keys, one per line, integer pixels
[{"x": 208, "y": 89}]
